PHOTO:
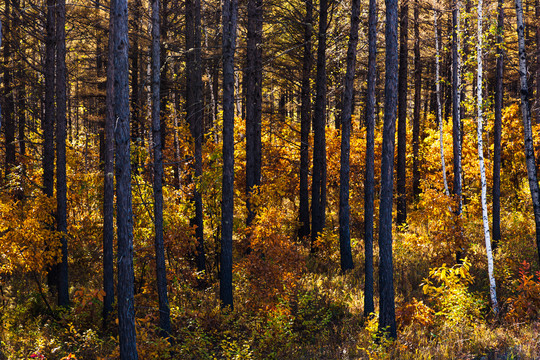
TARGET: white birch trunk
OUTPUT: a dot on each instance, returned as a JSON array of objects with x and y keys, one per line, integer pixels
[
  {"x": 492, "y": 286},
  {"x": 438, "y": 92}
]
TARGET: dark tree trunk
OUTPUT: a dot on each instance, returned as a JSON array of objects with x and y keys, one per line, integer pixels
[
  {"x": 135, "y": 92},
  {"x": 253, "y": 101},
  {"x": 318, "y": 188},
  {"x": 305, "y": 121},
  {"x": 230, "y": 16},
  {"x": 61, "y": 185},
  {"x": 9, "y": 104},
  {"x": 456, "y": 104},
  {"x": 387, "y": 317},
  {"x": 537, "y": 11},
  {"x": 417, "y": 102},
  {"x": 161, "y": 271},
  {"x": 497, "y": 130},
  {"x": 527, "y": 130},
  {"x": 369, "y": 191},
  {"x": 164, "y": 87},
  {"x": 48, "y": 120},
  {"x": 124, "y": 218},
  {"x": 402, "y": 114},
  {"x": 108, "y": 182},
  {"x": 195, "y": 113},
  {"x": 344, "y": 174}
]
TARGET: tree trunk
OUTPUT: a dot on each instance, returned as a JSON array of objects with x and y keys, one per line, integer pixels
[
  {"x": 344, "y": 174},
  {"x": 417, "y": 101},
  {"x": 537, "y": 11},
  {"x": 318, "y": 188},
  {"x": 108, "y": 182},
  {"x": 305, "y": 121},
  {"x": 456, "y": 103},
  {"x": 402, "y": 114},
  {"x": 135, "y": 88},
  {"x": 369, "y": 191},
  {"x": 479, "y": 75},
  {"x": 387, "y": 317},
  {"x": 438, "y": 95},
  {"x": 527, "y": 130},
  {"x": 9, "y": 104},
  {"x": 497, "y": 130},
  {"x": 230, "y": 16},
  {"x": 253, "y": 101},
  {"x": 124, "y": 218},
  {"x": 161, "y": 271},
  {"x": 195, "y": 114},
  {"x": 61, "y": 185}
]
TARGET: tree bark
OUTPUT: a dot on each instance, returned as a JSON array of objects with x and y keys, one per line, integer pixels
[
  {"x": 402, "y": 114},
  {"x": 230, "y": 16},
  {"x": 456, "y": 103},
  {"x": 417, "y": 102},
  {"x": 537, "y": 13},
  {"x": 497, "y": 129},
  {"x": 387, "y": 317},
  {"x": 61, "y": 185},
  {"x": 305, "y": 121},
  {"x": 318, "y": 188},
  {"x": 438, "y": 95},
  {"x": 9, "y": 104},
  {"x": 344, "y": 174},
  {"x": 124, "y": 217},
  {"x": 161, "y": 271},
  {"x": 527, "y": 130},
  {"x": 369, "y": 191},
  {"x": 253, "y": 101},
  {"x": 479, "y": 75},
  {"x": 108, "y": 181},
  {"x": 195, "y": 114}
]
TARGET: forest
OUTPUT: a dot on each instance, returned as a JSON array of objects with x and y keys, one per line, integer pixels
[{"x": 269, "y": 179}]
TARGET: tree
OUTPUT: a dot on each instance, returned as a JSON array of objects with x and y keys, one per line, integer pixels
[
  {"x": 537, "y": 13},
  {"x": 369, "y": 192},
  {"x": 108, "y": 181},
  {"x": 161, "y": 271},
  {"x": 229, "y": 18},
  {"x": 318, "y": 187},
  {"x": 438, "y": 95},
  {"x": 253, "y": 101},
  {"x": 527, "y": 130},
  {"x": 402, "y": 114},
  {"x": 456, "y": 103},
  {"x": 417, "y": 101},
  {"x": 479, "y": 119},
  {"x": 195, "y": 114},
  {"x": 124, "y": 211},
  {"x": 496, "y": 192},
  {"x": 9, "y": 105},
  {"x": 61, "y": 184},
  {"x": 305, "y": 121},
  {"x": 344, "y": 174},
  {"x": 387, "y": 317}
]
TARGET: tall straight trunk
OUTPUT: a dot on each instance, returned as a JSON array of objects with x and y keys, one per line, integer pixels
[
  {"x": 527, "y": 130},
  {"x": 253, "y": 101},
  {"x": 417, "y": 101},
  {"x": 61, "y": 185},
  {"x": 479, "y": 75},
  {"x": 344, "y": 174},
  {"x": 456, "y": 102},
  {"x": 124, "y": 211},
  {"x": 48, "y": 120},
  {"x": 9, "y": 104},
  {"x": 497, "y": 130},
  {"x": 537, "y": 13},
  {"x": 164, "y": 87},
  {"x": 108, "y": 181},
  {"x": 305, "y": 121},
  {"x": 135, "y": 92},
  {"x": 161, "y": 271},
  {"x": 195, "y": 113},
  {"x": 369, "y": 191},
  {"x": 387, "y": 317},
  {"x": 230, "y": 16},
  {"x": 402, "y": 114},
  {"x": 0, "y": 80},
  {"x": 318, "y": 188},
  {"x": 438, "y": 96}
]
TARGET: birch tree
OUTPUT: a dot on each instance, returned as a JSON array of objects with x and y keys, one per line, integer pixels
[{"x": 479, "y": 120}]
